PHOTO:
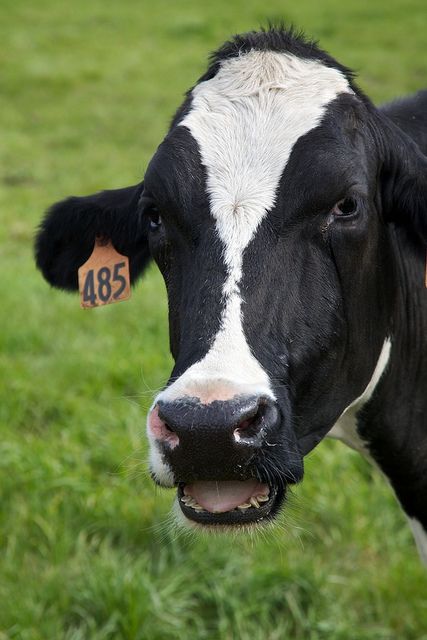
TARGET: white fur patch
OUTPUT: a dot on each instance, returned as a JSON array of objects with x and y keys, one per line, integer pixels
[
  {"x": 158, "y": 467},
  {"x": 420, "y": 535},
  {"x": 345, "y": 429},
  {"x": 246, "y": 121}
]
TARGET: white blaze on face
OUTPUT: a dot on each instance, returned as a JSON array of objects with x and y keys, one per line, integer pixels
[{"x": 246, "y": 120}]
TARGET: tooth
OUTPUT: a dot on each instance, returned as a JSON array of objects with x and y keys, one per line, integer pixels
[
  {"x": 244, "y": 506},
  {"x": 254, "y": 502},
  {"x": 191, "y": 502},
  {"x": 186, "y": 499},
  {"x": 198, "y": 508},
  {"x": 262, "y": 498}
]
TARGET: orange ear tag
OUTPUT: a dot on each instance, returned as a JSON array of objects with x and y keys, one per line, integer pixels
[{"x": 104, "y": 277}]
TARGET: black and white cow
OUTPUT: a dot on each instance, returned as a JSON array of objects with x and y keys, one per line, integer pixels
[{"x": 288, "y": 216}]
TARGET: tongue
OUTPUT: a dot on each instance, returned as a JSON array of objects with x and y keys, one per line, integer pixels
[{"x": 218, "y": 497}]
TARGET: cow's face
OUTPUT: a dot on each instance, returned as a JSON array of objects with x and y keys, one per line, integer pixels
[
  {"x": 263, "y": 210},
  {"x": 265, "y": 229}
]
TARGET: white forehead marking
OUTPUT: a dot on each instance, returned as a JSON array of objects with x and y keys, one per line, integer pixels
[{"x": 246, "y": 120}]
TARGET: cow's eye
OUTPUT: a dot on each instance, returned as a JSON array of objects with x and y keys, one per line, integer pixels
[
  {"x": 150, "y": 210},
  {"x": 345, "y": 207},
  {"x": 155, "y": 219}
]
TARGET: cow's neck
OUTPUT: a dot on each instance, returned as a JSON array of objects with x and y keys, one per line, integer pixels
[{"x": 390, "y": 425}]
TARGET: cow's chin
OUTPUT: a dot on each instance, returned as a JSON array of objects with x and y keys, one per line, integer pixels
[{"x": 229, "y": 504}]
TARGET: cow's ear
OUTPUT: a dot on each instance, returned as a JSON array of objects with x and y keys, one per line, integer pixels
[
  {"x": 66, "y": 236},
  {"x": 403, "y": 179}
]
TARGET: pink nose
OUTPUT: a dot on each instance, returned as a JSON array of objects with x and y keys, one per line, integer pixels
[{"x": 160, "y": 430}]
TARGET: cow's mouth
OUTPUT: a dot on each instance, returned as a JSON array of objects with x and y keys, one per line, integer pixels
[{"x": 229, "y": 502}]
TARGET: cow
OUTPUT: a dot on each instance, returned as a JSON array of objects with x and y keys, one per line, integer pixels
[{"x": 288, "y": 217}]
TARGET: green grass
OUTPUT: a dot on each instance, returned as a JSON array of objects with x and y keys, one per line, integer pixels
[{"x": 87, "y": 90}]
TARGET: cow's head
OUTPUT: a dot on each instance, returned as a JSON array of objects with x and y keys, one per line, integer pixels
[{"x": 266, "y": 208}]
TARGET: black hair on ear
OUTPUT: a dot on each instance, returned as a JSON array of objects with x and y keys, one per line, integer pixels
[
  {"x": 403, "y": 179},
  {"x": 66, "y": 236}
]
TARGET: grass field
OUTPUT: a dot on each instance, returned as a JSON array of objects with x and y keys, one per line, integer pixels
[{"x": 87, "y": 90}]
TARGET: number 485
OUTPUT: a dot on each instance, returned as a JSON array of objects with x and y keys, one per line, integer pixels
[{"x": 99, "y": 284}]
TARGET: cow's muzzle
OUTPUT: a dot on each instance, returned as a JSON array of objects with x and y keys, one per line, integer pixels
[{"x": 217, "y": 455}]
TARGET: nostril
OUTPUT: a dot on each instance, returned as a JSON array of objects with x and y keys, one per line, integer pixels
[
  {"x": 249, "y": 429},
  {"x": 253, "y": 428},
  {"x": 161, "y": 430}
]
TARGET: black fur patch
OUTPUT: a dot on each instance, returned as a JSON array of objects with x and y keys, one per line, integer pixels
[{"x": 66, "y": 236}]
